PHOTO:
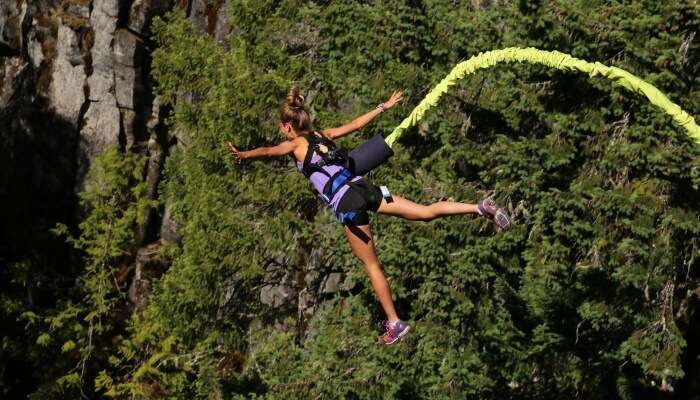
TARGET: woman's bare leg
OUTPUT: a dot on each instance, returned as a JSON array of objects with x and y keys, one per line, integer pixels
[
  {"x": 407, "y": 209},
  {"x": 367, "y": 254}
]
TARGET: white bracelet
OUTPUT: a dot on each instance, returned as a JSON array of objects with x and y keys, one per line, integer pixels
[{"x": 381, "y": 107}]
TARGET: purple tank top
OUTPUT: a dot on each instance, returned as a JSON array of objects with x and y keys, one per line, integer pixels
[{"x": 319, "y": 180}]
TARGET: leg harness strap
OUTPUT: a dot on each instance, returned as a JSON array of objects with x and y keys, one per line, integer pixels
[
  {"x": 348, "y": 219},
  {"x": 386, "y": 194}
]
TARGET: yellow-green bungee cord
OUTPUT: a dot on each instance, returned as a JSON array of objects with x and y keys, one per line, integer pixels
[{"x": 552, "y": 59}]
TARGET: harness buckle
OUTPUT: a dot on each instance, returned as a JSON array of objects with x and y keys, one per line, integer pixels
[{"x": 386, "y": 194}]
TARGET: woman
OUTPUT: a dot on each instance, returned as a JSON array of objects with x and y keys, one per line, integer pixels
[{"x": 351, "y": 197}]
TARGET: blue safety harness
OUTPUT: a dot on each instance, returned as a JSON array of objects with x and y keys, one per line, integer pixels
[{"x": 344, "y": 176}]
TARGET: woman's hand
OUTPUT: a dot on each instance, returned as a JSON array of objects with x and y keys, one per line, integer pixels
[
  {"x": 237, "y": 154},
  {"x": 395, "y": 98}
]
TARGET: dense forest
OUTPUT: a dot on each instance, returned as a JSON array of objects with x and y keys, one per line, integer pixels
[{"x": 253, "y": 291}]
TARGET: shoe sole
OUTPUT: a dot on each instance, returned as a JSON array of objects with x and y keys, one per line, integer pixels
[
  {"x": 402, "y": 334},
  {"x": 502, "y": 220}
]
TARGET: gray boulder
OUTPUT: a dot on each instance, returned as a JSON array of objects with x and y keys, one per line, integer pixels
[
  {"x": 169, "y": 229},
  {"x": 336, "y": 282}
]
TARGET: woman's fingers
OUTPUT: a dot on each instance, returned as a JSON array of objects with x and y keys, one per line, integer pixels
[
  {"x": 395, "y": 97},
  {"x": 234, "y": 151}
]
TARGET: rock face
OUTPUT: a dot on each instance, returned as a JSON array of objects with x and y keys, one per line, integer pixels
[
  {"x": 336, "y": 282},
  {"x": 210, "y": 16},
  {"x": 102, "y": 122},
  {"x": 89, "y": 66},
  {"x": 12, "y": 69},
  {"x": 74, "y": 80},
  {"x": 142, "y": 12},
  {"x": 82, "y": 67},
  {"x": 148, "y": 267},
  {"x": 35, "y": 141},
  {"x": 12, "y": 20},
  {"x": 66, "y": 93},
  {"x": 300, "y": 290}
]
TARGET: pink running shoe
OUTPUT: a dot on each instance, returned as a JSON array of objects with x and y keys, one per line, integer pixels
[
  {"x": 395, "y": 331},
  {"x": 489, "y": 209}
]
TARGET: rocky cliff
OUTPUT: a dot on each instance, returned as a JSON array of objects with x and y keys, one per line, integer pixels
[{"x": 74, "y": 80}]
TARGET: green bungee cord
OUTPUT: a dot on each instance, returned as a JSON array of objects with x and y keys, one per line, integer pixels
[{"x": 552, "y": 59}]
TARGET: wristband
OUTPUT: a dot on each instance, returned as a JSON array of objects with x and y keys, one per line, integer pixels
[{"x": 381, "y": 107}]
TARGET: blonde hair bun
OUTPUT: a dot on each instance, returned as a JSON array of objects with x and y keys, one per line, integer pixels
[{"x": 294, "y": 98}]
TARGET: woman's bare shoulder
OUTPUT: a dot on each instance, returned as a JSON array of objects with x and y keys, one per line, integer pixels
[
  {"x": 298, "y": 142},
  {"x": 300, "y": 145}
]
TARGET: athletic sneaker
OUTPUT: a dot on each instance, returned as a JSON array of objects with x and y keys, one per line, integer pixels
[
  {"x": 489, "y": 209},
  {"x": 395, "y": 331},
  {"x": 502, "y": 219}
]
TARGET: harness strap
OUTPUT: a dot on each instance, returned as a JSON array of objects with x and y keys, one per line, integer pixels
[
  {"x": 348, "y": 219},
  {"x": 336, "y": 182},
  {"x": 330, "y": 157},
  {"x": 344, "y": 217},
  {"x": 306, "y": 165},
  {"x": 386, "y": 194}
]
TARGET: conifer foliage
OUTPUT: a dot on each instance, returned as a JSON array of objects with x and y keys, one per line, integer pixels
[{"x": 592, "y": 292}]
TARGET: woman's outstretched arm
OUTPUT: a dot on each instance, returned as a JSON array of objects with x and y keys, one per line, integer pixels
[
  {"x": 281, "y": 149},
  {"x": 363, "y": 120}
]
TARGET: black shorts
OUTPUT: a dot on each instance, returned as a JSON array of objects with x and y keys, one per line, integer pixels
[{"x": 361, "y": 197}]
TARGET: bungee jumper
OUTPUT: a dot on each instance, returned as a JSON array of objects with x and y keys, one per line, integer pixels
[{"x": 337, "y": 178}]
